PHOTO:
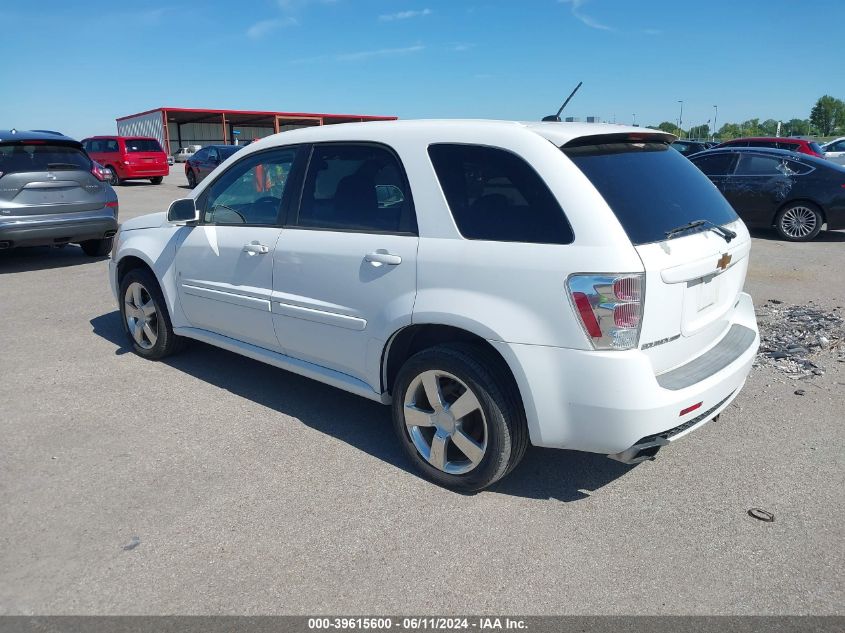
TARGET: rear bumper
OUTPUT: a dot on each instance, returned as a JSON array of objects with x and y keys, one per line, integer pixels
[
  {"x": 133, "y": 173},
  {"x": 42, "y": 230},
  {"x": 608, "y": 402}
]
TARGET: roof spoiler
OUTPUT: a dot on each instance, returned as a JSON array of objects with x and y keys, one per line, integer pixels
[{"x": 646, "y": 136}]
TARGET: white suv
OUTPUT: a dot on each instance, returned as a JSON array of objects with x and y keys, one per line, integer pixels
[{"x": 573, "y": 285}]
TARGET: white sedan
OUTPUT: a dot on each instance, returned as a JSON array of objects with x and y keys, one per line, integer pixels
[{"x": 835, "y": 150}]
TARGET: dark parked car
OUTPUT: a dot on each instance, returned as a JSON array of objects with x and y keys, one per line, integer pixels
[
  {"x": 52, "y": 193},
  {"x": 688, "y": 148},
  {"x": 800, "y": 145},
  {"x": 795, "y": 193},
  {"x": 206, "y": 161}
]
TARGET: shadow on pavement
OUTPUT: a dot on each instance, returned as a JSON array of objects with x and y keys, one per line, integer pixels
[
  {"x": 771, "y": 234},
  {"x": 543, "y": 474},
  {"x": 17, "y": 260}
]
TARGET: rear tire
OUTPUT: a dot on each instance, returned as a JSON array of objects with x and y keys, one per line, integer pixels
[
  {"x": 157, "y": 180},
  {"x": 476, "y": 433},
  {"x": 192, "y": 179},
  {"x": 115, "y": 179},
  {"x": 143, "y": 313},
  {"x": 799, "y": 222},
  {"x": 97, "y": 248}
]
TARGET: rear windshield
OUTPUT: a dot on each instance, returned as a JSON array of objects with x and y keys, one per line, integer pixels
[
  {"x": 142, "y": 145},
  {"x": 651, "y": 188},
  {"x": 21, "y": 157}
]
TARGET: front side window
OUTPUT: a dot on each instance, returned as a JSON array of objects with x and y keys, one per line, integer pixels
[
  {"x": 715, "y": 164},
  {"x": 110, "y": 146},
  {"x": 251, "y": 191},
  {"x": 201, "y": 155},
  {"x": 356, "y": 188},
  {"x": 495, "y": 195}
]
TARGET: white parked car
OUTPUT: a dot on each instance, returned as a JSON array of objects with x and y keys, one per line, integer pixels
[
  {"x": 835, "y": 150},
  {"x": 571, "y": 285},
  {"x": 184, "y": 153}
]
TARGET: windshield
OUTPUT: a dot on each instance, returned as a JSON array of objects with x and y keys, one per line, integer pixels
[
  {"x": 650, "y": 188},
  {"x": 21, "y": 157},
  {"x": 142, "y": 145}
]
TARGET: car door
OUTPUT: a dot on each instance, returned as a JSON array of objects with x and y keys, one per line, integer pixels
[
  {"x": 757, "y": 186},
  {"x": 345, "y": 266},
  {"x": 717, "y": 167},
  {"x": 224, "y": 265}
]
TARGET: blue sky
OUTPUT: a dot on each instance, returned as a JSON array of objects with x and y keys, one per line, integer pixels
[{"x": 76, "y": 66}]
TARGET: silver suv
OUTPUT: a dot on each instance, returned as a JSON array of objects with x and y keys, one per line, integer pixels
[{"x": 52, "y": 193}]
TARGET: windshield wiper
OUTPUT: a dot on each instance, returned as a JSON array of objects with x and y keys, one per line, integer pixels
[{"x": 722, "y": 232}]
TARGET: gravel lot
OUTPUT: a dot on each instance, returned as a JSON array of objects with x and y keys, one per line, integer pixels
[{"x": 214, "y": 484}]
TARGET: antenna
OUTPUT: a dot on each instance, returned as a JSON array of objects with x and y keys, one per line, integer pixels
[{"x": 556, "y": 117}]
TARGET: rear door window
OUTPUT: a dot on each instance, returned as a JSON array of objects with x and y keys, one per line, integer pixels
[
  {"x": 22, "y": 157},
  {"x": 755, "y": 165},
  {"x": 495, "y": 195},
  {"x": 142, "y": 145},
  {"x": 351, "y": 187},
  {"x": 651, "y": 188}
]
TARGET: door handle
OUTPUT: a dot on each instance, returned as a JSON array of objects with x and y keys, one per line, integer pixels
[
  {"x": 383, "y": 257},
  {"x": 255, "y": 248}
]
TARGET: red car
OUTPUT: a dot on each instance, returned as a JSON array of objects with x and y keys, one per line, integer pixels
[
  {"x": 799, "y": 145},
  {"x": 129, "y": 157}
]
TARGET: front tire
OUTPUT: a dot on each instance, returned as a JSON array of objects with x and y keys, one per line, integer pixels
[
  {"x": 97, "y": 248},
  {"x": 799, "y": 222},
  {"x": 192, "y": 179},
  {"x": 143, "y": 313},
  {"x": 458, "y": 417},
  {"x": 157, "y": 180}
]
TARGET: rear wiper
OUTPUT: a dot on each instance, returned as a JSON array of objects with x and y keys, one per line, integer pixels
[
  {"x": 62, "y": 166},
  {"x": 722, "y": 232}
]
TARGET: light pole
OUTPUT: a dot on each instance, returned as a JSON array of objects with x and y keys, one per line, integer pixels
[
  {"x": 634, "y": 119},
  {"x": 681, "y": 115},
  {"x": 715, "y": 121}
]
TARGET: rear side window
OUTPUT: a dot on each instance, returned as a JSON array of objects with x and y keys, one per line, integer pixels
[
  {"x": 792, "y": 147},
  {"x": 754, "y": 165},
  {"x": 651, "y": 188},
  {"x": 142, "y": 145},
  {"x": 495, "y": 195},
  {"x": 22, "y": 157},
  {"x": 356, "y": 188}
]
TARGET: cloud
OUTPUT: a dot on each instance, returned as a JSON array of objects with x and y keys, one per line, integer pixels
[
  {"x": 652, "y": 32},
  {"x": 586, "y": 19},
  {"x": 264, "y": 27},
  {"x": 361, "y": 55},
  {"x": 403, "y": 15},
  {"x": 460, "y": 48}
]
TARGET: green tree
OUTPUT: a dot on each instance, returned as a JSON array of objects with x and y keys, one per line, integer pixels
[
  {"x": 769, "y": 127},
  {"x": 729, "y": 131},
  {"x": 668, "y": 126},
  {"x": 827, "y": 115},
  {"x": 700, "y": 131},
  {"x": 796, "y": 127},
  {"x": 751, "y": 127}
]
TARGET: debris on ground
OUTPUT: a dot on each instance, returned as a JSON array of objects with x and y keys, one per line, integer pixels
[{"x": 795, "y": 338}]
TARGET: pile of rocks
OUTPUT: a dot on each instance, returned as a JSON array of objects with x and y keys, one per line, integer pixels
[{"x": 795, "y": 338}]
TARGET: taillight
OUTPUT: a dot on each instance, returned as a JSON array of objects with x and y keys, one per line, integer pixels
[
  {"x": 610, "y": 308},
  {"x": 97, "y": 172}
]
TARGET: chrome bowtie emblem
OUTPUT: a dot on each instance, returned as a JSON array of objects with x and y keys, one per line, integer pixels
[{"x": 723, "y": 262}]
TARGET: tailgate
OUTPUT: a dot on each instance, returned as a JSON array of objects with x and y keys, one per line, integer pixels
[{"x": 692, "y": 287}]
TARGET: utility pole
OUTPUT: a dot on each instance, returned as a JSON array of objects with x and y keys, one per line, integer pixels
[
  {"x": 681, "y": 115},
  {"x": 715, "y": 121}
]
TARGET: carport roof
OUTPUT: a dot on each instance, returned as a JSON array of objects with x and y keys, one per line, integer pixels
[{"x": 198, "y": 115}]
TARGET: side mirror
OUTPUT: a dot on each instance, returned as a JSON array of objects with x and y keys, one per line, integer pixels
[{"x": 182, "y": 211}]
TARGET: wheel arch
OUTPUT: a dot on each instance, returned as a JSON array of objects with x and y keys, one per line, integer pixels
[{"x": 411, "y": 339}]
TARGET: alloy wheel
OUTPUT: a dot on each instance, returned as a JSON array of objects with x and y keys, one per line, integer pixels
[
  {"x": 798, "y": 222},
  {"x": 445, "y": 421},
  {"x": 141, "y": 315}
]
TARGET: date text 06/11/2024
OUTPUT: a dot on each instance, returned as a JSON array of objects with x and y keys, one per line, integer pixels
[{"x": 417, "y": 623}]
